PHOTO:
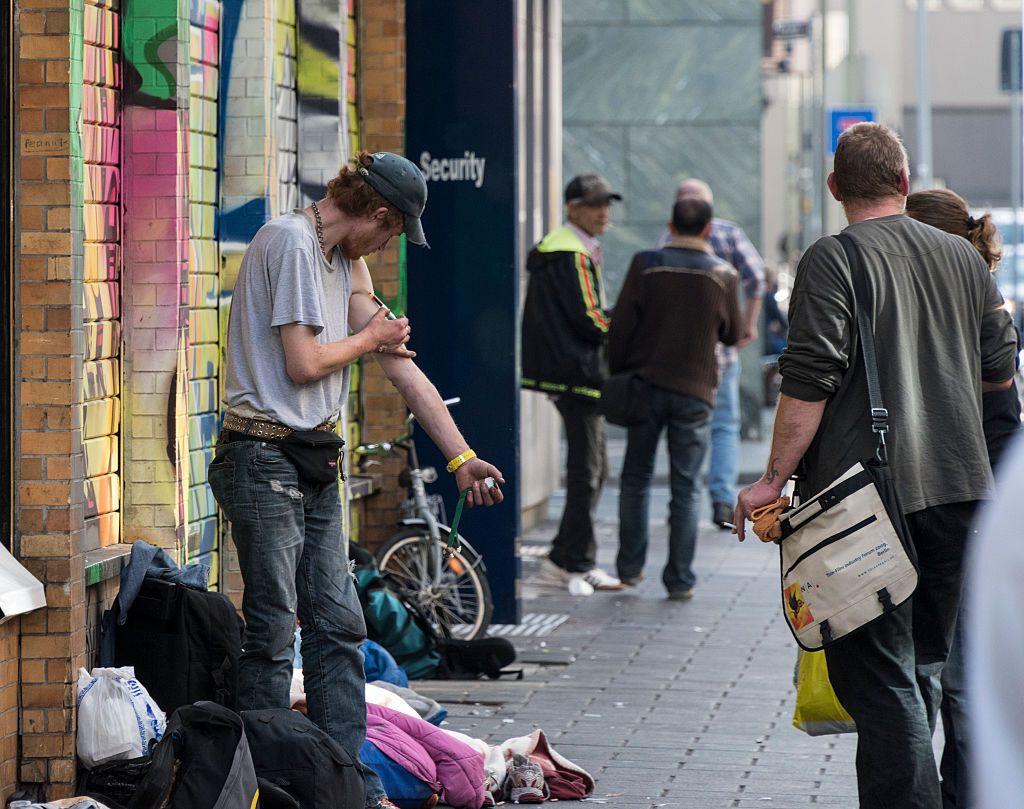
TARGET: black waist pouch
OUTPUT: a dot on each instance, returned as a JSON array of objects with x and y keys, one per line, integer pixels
[{"x": 315, "y": 454}]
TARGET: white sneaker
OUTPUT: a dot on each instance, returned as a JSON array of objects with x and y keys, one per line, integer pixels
[
  {"x": 579, "y": 586},
  {"x": 555, "y": 576},
  {"x": 600, "y": 580}
]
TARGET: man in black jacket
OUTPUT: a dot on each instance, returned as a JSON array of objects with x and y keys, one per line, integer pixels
[{"x": 564, "y": 331}]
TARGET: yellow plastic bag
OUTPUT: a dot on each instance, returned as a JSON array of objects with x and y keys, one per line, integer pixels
[{"x": 818, "y": 711}]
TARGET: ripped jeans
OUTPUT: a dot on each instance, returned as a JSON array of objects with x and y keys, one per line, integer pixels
[{"x": 294, "y": 562}]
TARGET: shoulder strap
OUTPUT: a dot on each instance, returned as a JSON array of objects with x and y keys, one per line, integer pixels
[{"x": 865, "y": 329}]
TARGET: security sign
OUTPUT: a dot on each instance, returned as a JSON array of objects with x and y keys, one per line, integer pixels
[{"x": 843, "y": 118}]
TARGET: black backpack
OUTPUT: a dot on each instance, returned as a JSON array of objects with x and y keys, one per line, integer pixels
[
  {"x": 202, "y": 762},
  {"x": 183, "y": 643},
  {"x": 470, "y": 659},
  {"x": 296, "y": 756}
]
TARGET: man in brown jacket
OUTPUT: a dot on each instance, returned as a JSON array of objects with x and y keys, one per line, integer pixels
[{"x": 676, "y": 304}]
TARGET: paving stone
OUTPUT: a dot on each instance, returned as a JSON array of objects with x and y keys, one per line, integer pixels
[{"x": 670, "y": 704}]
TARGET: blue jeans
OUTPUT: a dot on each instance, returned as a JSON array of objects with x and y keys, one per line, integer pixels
[
  {"x": 686, "y": 419},
  {"x": 294, "y": 561},
  {"x": 725, "y": 436}
]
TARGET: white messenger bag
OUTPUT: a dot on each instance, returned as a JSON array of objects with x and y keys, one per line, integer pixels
[{"x": 846, "y": 554}]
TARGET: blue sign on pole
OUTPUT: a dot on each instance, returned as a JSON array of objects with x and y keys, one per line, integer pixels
[
  {"x": 843, "y": 118},
  {"x": 463, "y": 291}
]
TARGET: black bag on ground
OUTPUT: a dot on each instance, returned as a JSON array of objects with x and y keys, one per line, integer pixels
[
  {"x": 202, "y": 762},
  {"x": 624, "y": 400},
  {"x": 183, "y": 643},
  {"x": 115, "y": 780},
  {"x": 475, "y": 658},
  {"x": 295, "y": 755}
]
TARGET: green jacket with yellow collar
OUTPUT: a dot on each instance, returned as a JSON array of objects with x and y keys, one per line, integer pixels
[{"x": 565, "y": 324}]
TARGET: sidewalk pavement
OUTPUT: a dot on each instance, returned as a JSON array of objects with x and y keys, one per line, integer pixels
[{"x": 667, "y": 704}]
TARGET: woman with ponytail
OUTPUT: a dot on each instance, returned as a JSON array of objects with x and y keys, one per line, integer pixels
[
  {"x": 1001, "y": 413},
  {"x": 943, "y": 209}
]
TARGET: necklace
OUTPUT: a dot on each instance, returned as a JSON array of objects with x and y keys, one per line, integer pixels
[{"x": 319, "y": 229}]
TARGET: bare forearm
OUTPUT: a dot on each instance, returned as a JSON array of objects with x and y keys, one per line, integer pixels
[
  {"x": 332, "y": 357},
  {"x": 307, "y": 360},
  {"x": 425, "y": 402},
  {"x": 796, "y": 422},
  {"x": 752, "y": 315}
]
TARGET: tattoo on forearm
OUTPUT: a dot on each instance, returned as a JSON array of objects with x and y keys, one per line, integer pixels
[{"x": 773, "y": 471}]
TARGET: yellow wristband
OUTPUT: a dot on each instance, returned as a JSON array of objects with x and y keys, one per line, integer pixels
[{"x": 459, "y": 460}]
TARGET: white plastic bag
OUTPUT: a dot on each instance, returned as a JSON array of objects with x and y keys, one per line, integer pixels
[{"x": 117, "y": 718}]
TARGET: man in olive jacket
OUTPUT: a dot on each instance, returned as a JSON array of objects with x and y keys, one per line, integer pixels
[
  {"x": 941, "y": 332},
  {"x": 564, "y": 331}
]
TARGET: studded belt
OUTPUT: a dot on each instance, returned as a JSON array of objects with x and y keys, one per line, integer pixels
[{"x": 263, "y": 428}]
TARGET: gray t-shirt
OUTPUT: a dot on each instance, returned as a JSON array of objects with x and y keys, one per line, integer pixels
[
  {"x": 284, "y": 278},
  {"x": 939, "y": 331}
]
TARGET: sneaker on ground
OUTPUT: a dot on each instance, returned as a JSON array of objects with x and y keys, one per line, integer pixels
[
  {"x": 632, "y": 581},
  {"x": 552, "y": 575},
  {"x": 722, "y": 514},
  {"x": 525, "y": 781},
  {"x": 600, "y": 580},
  {"x": 579, "y": 586},
  {"x": 680, "y": 595}
]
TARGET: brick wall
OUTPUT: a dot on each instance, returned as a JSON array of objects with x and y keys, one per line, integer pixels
[
  {"x": 48, "y": 332},
  {"x": 381, "y": 104},
  {"x": 8, "y": 708}
]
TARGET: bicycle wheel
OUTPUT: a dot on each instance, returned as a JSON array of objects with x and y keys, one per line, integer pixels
[{"x": 460, "y": 604}]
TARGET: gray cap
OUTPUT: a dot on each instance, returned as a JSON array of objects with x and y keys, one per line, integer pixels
[
  {"x": 402, "y": 184},
  {"x": 590, "y": 189}
]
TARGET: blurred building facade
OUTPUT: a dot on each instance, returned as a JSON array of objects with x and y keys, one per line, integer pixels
[
  {"x": 868, "y": 49},
  {"x": 653, "y": 93}
]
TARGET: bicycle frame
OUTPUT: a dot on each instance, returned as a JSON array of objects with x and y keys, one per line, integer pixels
[
  {"x": 423, "y": 511},
  {"x": 417, "y": 486}
]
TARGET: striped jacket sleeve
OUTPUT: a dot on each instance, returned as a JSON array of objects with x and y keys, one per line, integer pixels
[{"x": 582, "y": 297}]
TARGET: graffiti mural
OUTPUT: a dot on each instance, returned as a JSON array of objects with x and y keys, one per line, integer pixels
[
  {"x": 178, "y": 174},
  {"x": 320, "y": 88},
  {"x": 101, "y": 159},
  {"x": 286, "y": 119},
  {"x": 204, "y": 277},
  {"x": 155, "y": 296}
]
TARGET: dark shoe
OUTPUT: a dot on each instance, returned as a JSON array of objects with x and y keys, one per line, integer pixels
[
  {"x": 680, "y": 595},
  {"x": 632, "y": 581},
  {"x": 723, "y": 514}
]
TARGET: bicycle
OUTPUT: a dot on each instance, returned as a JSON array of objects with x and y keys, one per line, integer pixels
[{"x": 448, "y": 585}]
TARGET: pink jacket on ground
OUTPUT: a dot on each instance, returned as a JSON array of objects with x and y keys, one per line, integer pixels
[{"x": 455, "y": 769}]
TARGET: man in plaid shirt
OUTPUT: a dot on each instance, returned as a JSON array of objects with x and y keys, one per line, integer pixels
[{"x": 729, "y": 243}]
